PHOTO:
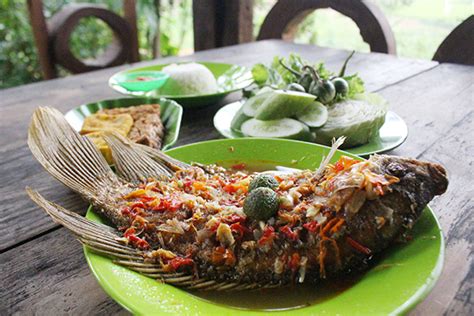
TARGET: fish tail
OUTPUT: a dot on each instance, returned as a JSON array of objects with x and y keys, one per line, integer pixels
[
  {"x": 136, "y": 162},
  {"x": 69, "y": 157}
]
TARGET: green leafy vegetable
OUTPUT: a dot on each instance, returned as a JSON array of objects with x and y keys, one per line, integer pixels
[{"x": 283, "y": 73}]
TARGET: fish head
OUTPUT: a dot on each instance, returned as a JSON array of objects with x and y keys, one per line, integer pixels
[{"x": 420, "y": 179}]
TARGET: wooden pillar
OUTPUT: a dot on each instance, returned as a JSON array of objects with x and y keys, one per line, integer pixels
[
  {"x": 130, "y": 15},
  {"x": 42, "y": 41},
  {"x": 220, "y": 23}
]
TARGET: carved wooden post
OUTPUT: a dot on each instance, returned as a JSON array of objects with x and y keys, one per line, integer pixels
[{"x": 220, "y": 23}]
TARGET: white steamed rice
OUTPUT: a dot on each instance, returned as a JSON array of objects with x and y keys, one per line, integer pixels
[{"x": 191, "y": 78}]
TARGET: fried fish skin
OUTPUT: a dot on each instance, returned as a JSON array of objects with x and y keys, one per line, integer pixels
[{"x": 331, "y": 225}]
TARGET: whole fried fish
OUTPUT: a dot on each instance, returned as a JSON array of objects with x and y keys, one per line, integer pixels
[{"x": 185, "y": 225}]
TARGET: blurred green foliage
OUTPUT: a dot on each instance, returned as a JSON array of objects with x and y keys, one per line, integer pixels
[
  {"x": 18, "y": 57},
  {"x": 419, "y": 27}
]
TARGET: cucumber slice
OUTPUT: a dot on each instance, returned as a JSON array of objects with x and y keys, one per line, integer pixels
[
  {"x": 315, "y": 115},
  {"x": 239, "y": 118},
  {"x": 283, "y": 103},
  {"x": 251, "y": 106},
  {"x": 284, "y": 128}
]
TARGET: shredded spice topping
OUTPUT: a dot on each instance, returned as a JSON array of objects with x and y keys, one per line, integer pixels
[{"x": 197, "y": 217}]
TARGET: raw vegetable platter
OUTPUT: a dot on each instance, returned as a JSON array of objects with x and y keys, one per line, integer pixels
[
  {"x": 394, "y": 284},
  {"x": 391, "y": 135},
  {"x": 296, "y": 99}
]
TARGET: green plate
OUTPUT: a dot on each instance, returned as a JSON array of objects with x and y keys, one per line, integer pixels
[
  {"x": 171, "y": 113},
  {"x": 391, "y": 135},
  {"x": 396, "y": 282},
  {"x": 230, "y": 78}
]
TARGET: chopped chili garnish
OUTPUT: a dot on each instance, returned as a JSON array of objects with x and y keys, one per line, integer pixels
[
  {"x": 168, "y": 205},
  {"x": 214, "y": 226},
  {"x": 311, "y": 226},
  {"x": 125, "y": 211},
  {"x": 198, "y": 185},
  {"x": 337, "y": 226},
  {"x": 357, "y": 246},
  {"x": 230, "y": 188},
  {"x": 344, "y": 163},
  {"x": 288, "y": 232},
  {"x": 178, "y": 262},
  {"x": 139, "y": 242},
  {"x": 240, "y": 166},
  {"x": 147, "y": 198},
  {"x": 221, "y": 255},
  {"x": 294, "y": 261},
  {"x": 234, "y": 218},
  {"x": 130, "y": 231},
  {"x": 137, "y": 204},
  {"x": 239, "y": 229},
  {"x": 267, "y": 236}
]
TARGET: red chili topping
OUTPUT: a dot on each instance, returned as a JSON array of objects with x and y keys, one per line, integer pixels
[
  {"x": 268, "y": 236},
  {"x": 125, "y": 211},
  {"x": 230, "y": 188},
  {"x": 168, "y": 205},
  {"x": 139, "y": 242},
  {"x": 178, "y": 262},
  {"x": 294, "y": 262},
  {"x": 239, "y": 229},
  {"x": 214, "y": 226},
  {"x": 221, "y": 255},
  {"x": 239, "y": 166},
  {"x": 130, "y": 231},
  {"x": 288, "y": 232},
  {"x": 234, "y": 218},
  {"x": 146, "y": 198},
  {"x": 344, "y": 163},
  {"x": 134, "y": 240},
  {"x": 137, "y": 204},
  {"x": 357, "y": 246},
  {"x": 311, "y": 226}
]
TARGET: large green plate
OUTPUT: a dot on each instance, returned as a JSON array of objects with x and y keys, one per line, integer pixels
[
  {"x": 396, "y": 283},
  {"x": 171, "y": 113},
  {"x": 391, "y": 135},
  {"x": 230, "y": 78}
]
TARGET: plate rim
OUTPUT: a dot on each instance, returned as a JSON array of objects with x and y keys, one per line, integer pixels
[
  {"x": 363, "y": 154},
  {"x": 116, "y": 87},
  {"x": 418, "y": 296}
]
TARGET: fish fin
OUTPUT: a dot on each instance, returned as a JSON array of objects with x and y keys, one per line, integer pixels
[
  {"x": 69, "y": 157},
  {"x": 104, "y": 240},
  {"x": 159, "y": 156},
  {"x": 336, "y": 143},
  {"x": 131, "y": 162}
]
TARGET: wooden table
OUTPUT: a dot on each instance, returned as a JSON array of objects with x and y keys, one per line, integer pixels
[{"x": 43, "y": 270}]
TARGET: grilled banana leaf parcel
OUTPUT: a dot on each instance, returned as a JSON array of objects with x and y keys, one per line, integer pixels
[{"x": 205, "y": 227}]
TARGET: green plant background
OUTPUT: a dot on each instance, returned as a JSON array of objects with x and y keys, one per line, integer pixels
[{"x": 419, "y": 27}]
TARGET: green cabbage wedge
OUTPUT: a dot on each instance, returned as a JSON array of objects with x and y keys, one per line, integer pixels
[{"x": 358, "y": 119}]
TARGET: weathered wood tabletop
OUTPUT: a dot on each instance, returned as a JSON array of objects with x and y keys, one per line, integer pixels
[{"x": 43, "y": 270}]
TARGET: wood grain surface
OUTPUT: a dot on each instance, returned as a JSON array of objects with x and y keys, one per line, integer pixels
[{"x": 43, "y": 267}]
